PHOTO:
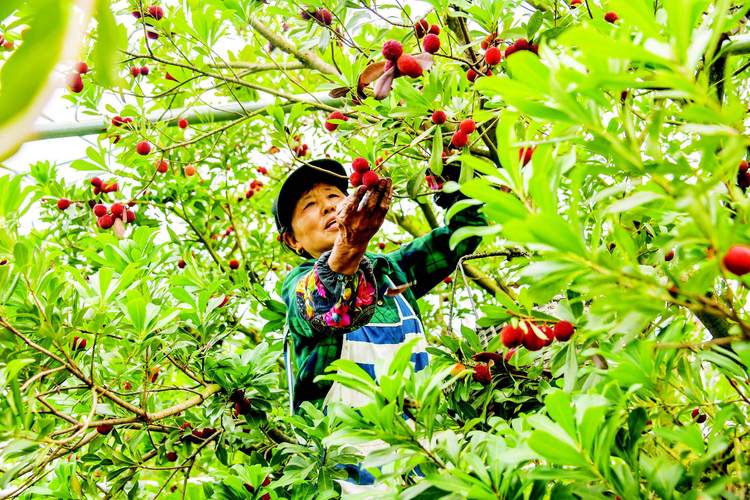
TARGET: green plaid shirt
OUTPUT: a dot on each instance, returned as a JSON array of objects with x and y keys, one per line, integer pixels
[{"x": 322, "y": 305}]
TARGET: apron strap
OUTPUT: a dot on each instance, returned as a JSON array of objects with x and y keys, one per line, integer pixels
[{"x": 289, "y": 373}]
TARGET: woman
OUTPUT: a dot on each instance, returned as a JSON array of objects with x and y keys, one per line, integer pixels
[{"x": 344, "y": 302}]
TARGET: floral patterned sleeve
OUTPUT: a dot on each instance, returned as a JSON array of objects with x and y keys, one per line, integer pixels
[{"x": 336, "y": 303}]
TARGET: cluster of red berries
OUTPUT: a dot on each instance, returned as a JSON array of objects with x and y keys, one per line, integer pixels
[
  {"x": 321, "y": 15},
  {"x": 362, "y": 173},
  {"x": 74, "y": 79},
  {"x": 242, "y": 404},
  {"x": 336, "y": 115},
  {"x": 6, "y": 44},
  {"x": 79, "y": 344},
  {"x": 737, "y": 260},
  {"x": 461, "y": 136},
  {"x": 393, "y": 52},
  {"x": 119, "y": 121},
  {"x": 698, "y": 416},
  {"x": 106, "y": 218},
  {"x": 743, "y": 175},
  {"x": 255, "y": 186},
  {"x": 153, "y": 11},
  {"x": 422, "y": 28},
  {"x": 197, "y": 436},
  {"x": 136, "y": 71},
  {"x": 300, "y": 148},
  {"x": 521, "y": 44},
  {"x": 524, "y": 334},
  {"x": 101, "y": 187},
  {"x": 267, "y": 496}
]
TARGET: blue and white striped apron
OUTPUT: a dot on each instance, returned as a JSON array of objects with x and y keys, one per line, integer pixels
[{"x": 366, "y": 346}]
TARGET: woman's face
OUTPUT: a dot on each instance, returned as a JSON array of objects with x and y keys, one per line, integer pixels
[{"x": 314, "y": 226}]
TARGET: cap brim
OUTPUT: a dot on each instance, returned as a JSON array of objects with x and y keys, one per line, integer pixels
[{"x": 302, "y": 179}]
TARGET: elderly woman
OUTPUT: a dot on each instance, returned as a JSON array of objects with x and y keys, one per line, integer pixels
[{"x": 344, "y": 302}]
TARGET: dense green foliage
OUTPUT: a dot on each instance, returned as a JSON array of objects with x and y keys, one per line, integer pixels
[{"x": 638, "y": 128}]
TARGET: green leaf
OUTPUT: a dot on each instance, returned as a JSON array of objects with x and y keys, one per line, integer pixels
[{"x": 111, "y": 39}]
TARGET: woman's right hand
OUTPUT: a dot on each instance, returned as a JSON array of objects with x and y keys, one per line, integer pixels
[{"x": 357, "y": 226}]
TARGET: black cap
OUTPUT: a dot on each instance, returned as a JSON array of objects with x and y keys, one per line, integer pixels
[{"x": 302, "y": 179}]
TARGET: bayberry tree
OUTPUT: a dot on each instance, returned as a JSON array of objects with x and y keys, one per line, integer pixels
[{"x": 597, "y": 345}]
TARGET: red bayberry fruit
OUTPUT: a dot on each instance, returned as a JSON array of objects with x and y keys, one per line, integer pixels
[
  {"x": 459, "y": 139},
  {"x": 482, "y": 374},
  {"x": 181, "y": 264},
  {"x": 182, "y": 123},
  {"x": 234, "y": 264},
  {"x": 105, "y": 221},
  {"x": 381, "y": 245},
  {"x": 435, "y": 29},
  {"x": 744, "y": 166},
  {"x": 522, "y": 44},
  {"x": 524, "y": 154},
  {"x": 438, "y": 117},
  {"x": 143, "y": 148},
  {"x": 355, "y": 179},
  {"x": 79, "y": 344},
  {"x": 737, "y": 260},
  {"x": 129, "y": 216},
  {"x": 75, "y": 83},
  {"x": 135, "y": 71},
  {"x": 266, "y": 481},
  {"x": 262, "y": 170},
  {"x": 431, "y": 44},
  {"x": 305, "y": 15},
  {"x": 329, "y": 125},
  {"x": 370, "y": 178},
  {"x": 563, "y": 331},
  {"x": 63, "y": 203},
  {"x": 324, "y": 16},
  {"x": 669, "y": 256},
  {"x": 575, "y": 3},
  {"x": 531, "y": 340},
  {"x": 156, "y": 12},
  {"x": 162, "y": 166},
  {"x": 136, "y": 14},
  {"x": 171, "y": 456},
  {"x": 467, "y": 126},
  {"x": 110, "y": 188},
  {"x": 81, "y": 68},
  {"x": 409, "y": 66},
  {"x": 100, "y": 210},
  {"x": 154, "y": 375},
  {"x": 493, "y": 56},
  {"x": 360, "y": 165},
  {"x": 104, "y": 429},
  {"x": 118, "y": 121},
  {"x": 471, "y": 75},
  {"x": 190, "y": 170},
  {"x": 611, "y": 17},
  {"x": 511, "y": 336},
  {"x": 392, "y": 50},
  {"x": 185, "y": 425},
  {"x": 144, "y": 70},
  {"x": 549, "y": 333},
  {"x": 421, "y": 27},
  {"x": 117, "y": 209},
  {"x": 127, "y": 386}
]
